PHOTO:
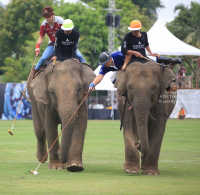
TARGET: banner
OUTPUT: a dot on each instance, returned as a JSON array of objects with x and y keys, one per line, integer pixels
[
  {"x": 189, "y": 99},
  {"x": 10, "y": 100},
  {"x": 10, "y": 96}
]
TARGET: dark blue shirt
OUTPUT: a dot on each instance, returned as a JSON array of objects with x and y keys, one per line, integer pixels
[{"x": 118, "y": 59}]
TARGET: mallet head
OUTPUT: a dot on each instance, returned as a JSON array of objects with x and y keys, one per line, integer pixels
[
  {"x": 9, "y": 131},
  {"x": 33, "y": 172}
]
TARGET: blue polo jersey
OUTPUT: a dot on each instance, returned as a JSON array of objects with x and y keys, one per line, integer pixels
[{"x": 118, "y": 58}]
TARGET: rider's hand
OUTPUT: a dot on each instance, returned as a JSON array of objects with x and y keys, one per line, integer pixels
[
  {"x": 155, "y": 54},
  {"x": 123, "y": 67},
  {"x": 138, "y": 54},
  {"x": 37, "y": 49},
  {"x": 54, "y": 58},
  {"x": 91, "y": 87},
  {"x": 75, "y": 60}
]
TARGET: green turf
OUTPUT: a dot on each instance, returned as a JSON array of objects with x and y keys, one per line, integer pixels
[{"x": 103, "y": 159}]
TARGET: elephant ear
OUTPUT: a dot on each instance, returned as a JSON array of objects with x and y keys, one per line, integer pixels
[
  {"x": 167, "y": 76},
  {"x": 120, "y": 83},
  {"x": 88, "y": 77},
  {"x": 40, "y": 90}
]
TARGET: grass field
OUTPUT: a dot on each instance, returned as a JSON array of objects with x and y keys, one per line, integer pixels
[{"x": 103, "y": 159}]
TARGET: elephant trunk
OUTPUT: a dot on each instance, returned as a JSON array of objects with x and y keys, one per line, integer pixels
[
  {"x": 141, "y": 111},
  {"x": 65, "y": 115}
]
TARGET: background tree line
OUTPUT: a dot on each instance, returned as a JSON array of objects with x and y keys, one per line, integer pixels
[{"x": 19, "y": 28}]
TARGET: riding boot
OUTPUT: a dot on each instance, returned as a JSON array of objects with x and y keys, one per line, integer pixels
[{"x": 167, "y": 60}]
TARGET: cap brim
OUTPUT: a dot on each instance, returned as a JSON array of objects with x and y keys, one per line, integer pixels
[
  {"x": 63, "y": 28},
  {"x": 133, "y": 29},
  {"x": 102, "y": 63}
]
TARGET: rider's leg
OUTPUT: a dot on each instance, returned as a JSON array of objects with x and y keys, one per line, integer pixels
[
  {"x": 46, "y": 54},
  {"x": 167, "y": 60},
  {"x": 79, "y": 56}
]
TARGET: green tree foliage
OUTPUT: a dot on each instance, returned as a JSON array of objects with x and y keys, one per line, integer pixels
[
  {"x": 18, "y": 70},
  {"x": 17, "y": 22},
  {"x": 150, "y": 5},
  {"x": 186, "y": 25}
]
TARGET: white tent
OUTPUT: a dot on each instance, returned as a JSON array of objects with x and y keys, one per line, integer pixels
[
  {"x": 163, "y": 42},
  {"x": 106, "y": 83}
]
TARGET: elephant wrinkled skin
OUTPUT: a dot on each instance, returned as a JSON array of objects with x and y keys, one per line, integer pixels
[
  {"x": 56, "y": 94},
  {"x": 144, "y": 124}
]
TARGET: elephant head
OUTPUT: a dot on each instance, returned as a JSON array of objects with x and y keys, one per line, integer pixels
[
  {"x": 143, "y": 84},
  {"x": 61, "y": 88}
]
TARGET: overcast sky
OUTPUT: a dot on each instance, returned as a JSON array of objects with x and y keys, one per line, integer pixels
[{"x": 165, "y": 15}]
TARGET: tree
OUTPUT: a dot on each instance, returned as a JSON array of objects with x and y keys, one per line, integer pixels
[
  {"x": 18, "y": 70},
  {"x": 150, "y": 5},
  {"x": 20, "y": 19},
  {"x": 186, "y": 25}
]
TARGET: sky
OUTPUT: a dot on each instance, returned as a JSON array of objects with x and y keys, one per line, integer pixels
[{"x": 165, "y": 15}]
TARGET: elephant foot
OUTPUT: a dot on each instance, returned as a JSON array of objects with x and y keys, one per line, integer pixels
[
  {"x": 40, "y": 156},
  {"x": 151, "y": 172},
  {"x": 74, "y": 167},
  {"x": 56, "y": 165},
  {"x": 131, "y": 169}
]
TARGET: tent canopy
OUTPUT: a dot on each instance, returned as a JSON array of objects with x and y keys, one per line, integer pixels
[{"x": 163, "y": 42}]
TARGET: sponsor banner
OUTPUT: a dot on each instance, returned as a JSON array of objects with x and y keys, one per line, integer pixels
[{"x": 10, "y": 100}]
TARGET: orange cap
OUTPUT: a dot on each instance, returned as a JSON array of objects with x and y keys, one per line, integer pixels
[{"x": 135, "y": 25}]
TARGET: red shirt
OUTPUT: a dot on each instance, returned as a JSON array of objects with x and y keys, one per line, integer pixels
[
  {"x": 182, "y": 71},
  {"x": 45, "y": 28}
]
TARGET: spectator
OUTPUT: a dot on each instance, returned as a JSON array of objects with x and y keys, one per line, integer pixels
[
  {"x": 115, "y": 105},
  {"x": 92, "y": 105},
  {"x": 182, "y": 70},
  {"x": 181, "y": 113},
  {"x": 181, "y": 74}
]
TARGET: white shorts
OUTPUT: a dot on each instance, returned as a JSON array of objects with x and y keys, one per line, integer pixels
[{"x": 113, "y": 76}]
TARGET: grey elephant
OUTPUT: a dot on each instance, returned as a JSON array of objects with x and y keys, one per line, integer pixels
[
  {"x": 56, "y": 94},
  {"x": 144, "y": 124}
]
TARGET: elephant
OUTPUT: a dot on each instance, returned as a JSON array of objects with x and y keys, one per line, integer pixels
[
  {"x": 57, "y": 92},
  {"x": 144, "y": 122}
]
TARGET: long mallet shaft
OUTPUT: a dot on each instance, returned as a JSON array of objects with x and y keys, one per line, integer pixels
[{"x": 24, "y": 91}]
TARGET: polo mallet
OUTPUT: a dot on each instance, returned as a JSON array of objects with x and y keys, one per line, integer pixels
[
  {"x": 10, "y": 131},
  {"x": 54, "y": 62},
  {"x": 189, "y": 65},
  {"x": 35, "y": 172},
  {"x": 150, "y": 60},
  {"x": 181, "y": 59}
]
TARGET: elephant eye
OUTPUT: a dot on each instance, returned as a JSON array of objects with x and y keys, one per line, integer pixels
[
  {"x": 79, "y": 89},
  {"x": 154, "y": 87}
]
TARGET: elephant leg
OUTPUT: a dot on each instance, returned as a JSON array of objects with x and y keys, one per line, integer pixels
[
  {"x": 74, "y": 162},
  {"x": 40, "y": 134},
  {"x": 132, "y": 159},
  {"x": 51, "y": 127},
  {"x": 150, "y": 160}
]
